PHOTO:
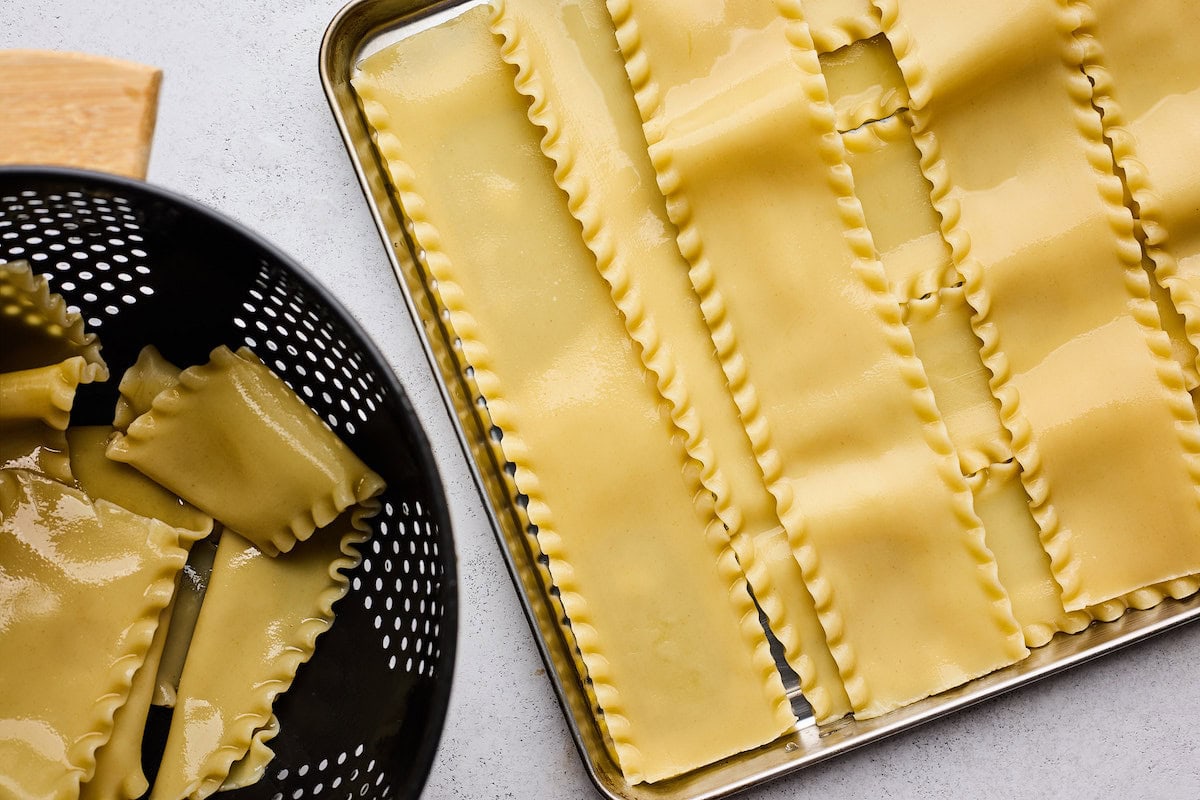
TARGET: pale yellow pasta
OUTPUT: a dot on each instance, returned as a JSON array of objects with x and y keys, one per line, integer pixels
[
  {"x": 250, "y": 768},
  {"x": 895, "y": 201},
  {"x": 1012, "y": 535},
  {"x": 864, "y": 82},
  {"x": 37, "y": 329},
  {"x": 233, "y": 440},
  {"x": 260, "y": 620},
  {"x": 1146, "y": 79},
  {"x": 35, "y": 446},
  {"x": 141, "y": 383},
  {"x": 119, "y": 773},
  {"x": 582, "y": 418},
  {"x": 41, "y": 393},
  {"x": 580, "y": 94},
  {"x": 736, "y": 116},
  {"x": 1101, "y": 422},
  {"x": 81, "y": 589},
  {"x": 837, "y": 23},
  {"x": 941, "y": 329},
  {"x": 104, "y": 479}
]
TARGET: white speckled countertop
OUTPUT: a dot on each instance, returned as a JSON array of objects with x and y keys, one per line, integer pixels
[{"x": 243, "y": 127}]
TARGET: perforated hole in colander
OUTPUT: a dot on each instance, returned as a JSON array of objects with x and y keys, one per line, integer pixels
[
  {"x": 141, "y": 266},
  {"x": 91, "y": 246}
]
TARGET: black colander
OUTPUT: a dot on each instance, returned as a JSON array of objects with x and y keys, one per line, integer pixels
[{"x": 144, "y": 266}]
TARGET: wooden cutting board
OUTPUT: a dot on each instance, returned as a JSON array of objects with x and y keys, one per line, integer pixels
[{"x": 77, "y": 110}]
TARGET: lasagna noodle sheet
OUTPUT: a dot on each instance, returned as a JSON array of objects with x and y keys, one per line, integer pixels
[
  {"x": 864, "y": 82},
  {"x": 569, "y": 66},
  {"x": 1012, "y": 534},
  {"x": 82, "y": 589},
  {"x": 119, "y": 762},
  {"x": 1146, "y": 80},
  {"x": 895, "y": 200},
  {"x": 837, "y": 23},
  {"x": 941, "y": 329},
  {"x": 260, "y": 620},
  {"x": 838, "y": 408},
  {"x": 1101, "y": 423},
  {"x": 657, "y": 605},
  {"x": 231, "y": 438}
]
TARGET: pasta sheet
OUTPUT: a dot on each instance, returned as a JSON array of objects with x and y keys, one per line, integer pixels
[{"x": 736, "y": 116}]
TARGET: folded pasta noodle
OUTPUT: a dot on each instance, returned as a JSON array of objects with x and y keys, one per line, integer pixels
[
  {"x": 44, "y": 394},
  {"x": 260, "y": 620},
  {"x": 83, "y": 586},
  {"x": 141, "y": 383},
  {"x": 37, "y": 329},
  {"x": 105, "y": 479},
  {"x": 119, "y": 762},
  {"x": 250, "y": 768},
  {"x": 119, "y": 774},
  {"x": 225, "y": 434}
]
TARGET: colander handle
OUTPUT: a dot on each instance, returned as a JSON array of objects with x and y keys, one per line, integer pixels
[{"x": 77, "y": 110}]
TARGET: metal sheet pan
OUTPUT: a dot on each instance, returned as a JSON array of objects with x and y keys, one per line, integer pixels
[{"x": 364, "y": 27}]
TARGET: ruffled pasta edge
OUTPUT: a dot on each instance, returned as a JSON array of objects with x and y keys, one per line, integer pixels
[
  {"x": 1071, "y": 17},
  {"x": 709, "y": 484},
  {"x": 250, "y": 725},
  {"x": 1054, "y": 539},
  {"x": 868, "y": 269},
  {"x": 1141, "y": 188},
  {"x": 54, "y": 312},
  {"x": 1074, "y": 17},
  {"x": 868, "y": 138},
  {"x": 691, "y": 246},
  {"x": 350, "y": 490},
  {"x": 557, "y": 574},
  {"x": 981, "y": 455},
  {"x": 843, "y": 31},
  {"x": 250, "y": 768},
  {"x": 81, "y": 753}
]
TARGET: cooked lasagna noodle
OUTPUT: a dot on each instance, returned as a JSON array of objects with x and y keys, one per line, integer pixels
[
  {"x": 1146, "y": 79},
  {"x": 43, "y": 394},
  {"x": 568, "y": 65},
  {"x": 834, "y": 24},
  {"x": 81, "y": 590},
  {"x": 33, "y": 445},
  {"x": 37, "y": 329},
  {"x": 1101, "y": 422},
  {"x": 119, "y": 762},
  {"x": 676, "y": 658},
  {"x": 225, "y": 434},
  {"x": 905, "y": 229},
  {"x": 880, "y": 518},
  {"x": 913, "y": 360},
  {"x": 119, "y": 774},
  {"x": 91, "y": 549},
  {"x": 864, "y": 82},
  {"x": 141, "y": 383},
  {"x": 260, "y": 620}
]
